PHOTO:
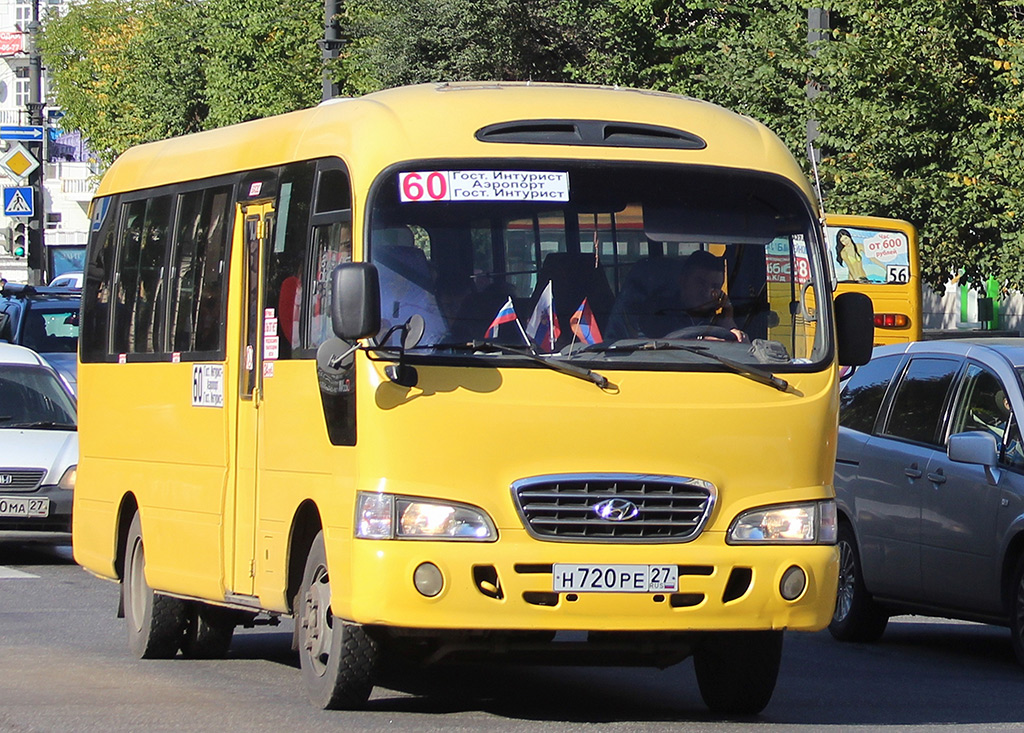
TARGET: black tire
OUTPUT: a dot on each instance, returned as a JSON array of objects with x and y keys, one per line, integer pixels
[
  {"x": 338, "y": 659},
  {"x": 856, "y": 617},
  {"x": 208, "y": 632},
  {"x": 155, "y": 622},
  {"x": 737, "y": 670},
  {"x": 1017, "y": 612}
]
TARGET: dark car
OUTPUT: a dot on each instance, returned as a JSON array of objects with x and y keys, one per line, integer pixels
[
  {"x": 930, "y": 487},
  {"x": 45, "y": 320}
]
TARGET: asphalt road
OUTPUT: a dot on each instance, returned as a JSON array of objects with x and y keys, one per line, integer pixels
[{"x": 64, "y": 666}]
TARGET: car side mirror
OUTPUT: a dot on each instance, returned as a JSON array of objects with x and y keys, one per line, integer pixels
[
  {"x": 355, "y": 301},
  {"x": 855, "y": 328},
  {"x": 973, "y": 447}
]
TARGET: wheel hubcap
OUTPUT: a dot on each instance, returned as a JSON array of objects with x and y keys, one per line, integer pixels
[
  {"x": 847, "y": 579},
  {"x": 318, "y": 621},
  {"x": 137, "y": 585}
]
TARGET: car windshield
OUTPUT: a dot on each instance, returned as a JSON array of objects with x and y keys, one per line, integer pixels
[
  {"x": 33, "y": 397},
  {"x": 51, "y": 331},
  {"x": 632, "y": 266}
]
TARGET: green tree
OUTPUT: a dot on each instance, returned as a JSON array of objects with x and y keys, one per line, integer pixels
[{"x": 126, "y": 72}]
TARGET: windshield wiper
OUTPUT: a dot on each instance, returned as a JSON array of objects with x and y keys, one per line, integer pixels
[
  {"x": 43, "y": 424},
  {"x": 746, "y": 370},
  {"x": 559, "y": 366}
]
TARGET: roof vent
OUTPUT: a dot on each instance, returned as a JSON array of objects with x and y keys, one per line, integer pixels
[{"x": 589, "y": 132}]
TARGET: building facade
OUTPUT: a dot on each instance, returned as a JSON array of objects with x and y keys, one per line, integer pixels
[{"x": 69, "y": 175}]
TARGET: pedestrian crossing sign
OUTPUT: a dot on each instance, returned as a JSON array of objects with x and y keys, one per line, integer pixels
[{"x": 19, "y": 201}]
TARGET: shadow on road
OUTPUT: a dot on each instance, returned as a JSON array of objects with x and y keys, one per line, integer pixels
[{"x": 32, "y": 548}]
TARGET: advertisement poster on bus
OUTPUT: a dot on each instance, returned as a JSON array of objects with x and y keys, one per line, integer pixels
[
  {"x": 869, "y": 255},
  {"x": 782, "y": 258}
]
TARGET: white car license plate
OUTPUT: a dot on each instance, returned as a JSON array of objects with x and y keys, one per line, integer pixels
[
  {"x": 22, "y": 506},
  {"x": 615, "y": 578}
]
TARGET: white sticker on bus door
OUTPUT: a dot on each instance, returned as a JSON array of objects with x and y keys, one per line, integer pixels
[
  {"x": 416, "y": 186},
  {"x": 208, "y": 385}
]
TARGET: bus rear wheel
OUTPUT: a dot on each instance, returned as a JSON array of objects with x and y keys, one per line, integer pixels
[
  {"x": 737, "y": 670},
  {"x": 338, "y": 659},
  {"x": 156, "y": 623}
]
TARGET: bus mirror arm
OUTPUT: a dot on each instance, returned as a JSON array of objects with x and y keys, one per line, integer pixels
[{"x": 401, "y": 373}]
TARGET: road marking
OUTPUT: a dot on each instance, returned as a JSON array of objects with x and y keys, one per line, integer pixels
[{"x": 12, "y": 573}]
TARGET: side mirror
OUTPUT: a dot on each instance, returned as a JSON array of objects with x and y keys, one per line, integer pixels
[
  {"x": 973, "y": 447},
  {"x": 855, "y": 328},
  {"x": 355, "y": 301}
]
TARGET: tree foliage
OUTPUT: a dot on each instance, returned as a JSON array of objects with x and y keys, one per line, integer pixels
[{"x": 920, "y": 107}]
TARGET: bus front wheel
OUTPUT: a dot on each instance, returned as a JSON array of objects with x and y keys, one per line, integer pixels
[
  {"x": 338, "y": 659},
  {"x": 156, "y": 623},
  {"x": 737, "y": 670}
]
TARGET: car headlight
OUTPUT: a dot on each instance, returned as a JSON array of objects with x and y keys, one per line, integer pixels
[
  {"x": 810, "y": 523},
  {"x": 388, "y": 516},
  {"x": 67, "y": 481}
]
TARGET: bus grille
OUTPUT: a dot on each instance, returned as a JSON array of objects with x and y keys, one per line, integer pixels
[
  {"x": 20, "y": 479},
  {"x": 614, "y": 507}
]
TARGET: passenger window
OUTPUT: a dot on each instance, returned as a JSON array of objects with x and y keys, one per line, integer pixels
[
  {"x": 862, "y": 396},
  {"x": 983, "y": 405},
  {"x": 287, "y": 257},
  {"x": 137, "y": 321},
  {"x": 199, "y": 265},
  {"x": 920, "y": 398}
]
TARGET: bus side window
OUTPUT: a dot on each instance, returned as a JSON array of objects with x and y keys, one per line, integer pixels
[
  {"x": 332, "y": 243},
  {"x": 99, "y": 271},
  {"x": 286, "y": 260},
  {"x": 196, "y": 291}
]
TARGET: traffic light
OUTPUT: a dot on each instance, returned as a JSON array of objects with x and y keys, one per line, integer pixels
[{"x": 19, "y": 239}]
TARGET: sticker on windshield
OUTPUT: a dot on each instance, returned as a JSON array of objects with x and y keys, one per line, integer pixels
[{"x": 483, "y": 186}]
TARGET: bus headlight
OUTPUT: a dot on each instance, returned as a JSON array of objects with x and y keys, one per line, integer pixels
[
  {"x": 387, "y": 516},
  {"x": 811, "y": 523}
]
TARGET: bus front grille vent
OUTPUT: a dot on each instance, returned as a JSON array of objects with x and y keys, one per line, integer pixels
[
  {"x": 614, "y": 507},
  {"x": 21, "y": 479}
]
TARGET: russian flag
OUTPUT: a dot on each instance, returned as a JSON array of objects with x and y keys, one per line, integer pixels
[
  {"x": 584, "y": 325},
  {"x": 543, "y": 326},
  {"x": 507, "y": 314}
]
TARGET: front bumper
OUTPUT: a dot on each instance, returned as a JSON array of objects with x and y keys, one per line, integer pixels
[
  {"x": 507, "y": 585},
  {"x": 57, "y": 520}
]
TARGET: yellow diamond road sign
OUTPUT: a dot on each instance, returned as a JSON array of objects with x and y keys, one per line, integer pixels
[{"x": 18, "y": 162}]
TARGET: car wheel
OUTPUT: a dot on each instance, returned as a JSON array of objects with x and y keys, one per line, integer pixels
[
  {"x": 338, "y": 659},
  {"x": 737, "y": 670},
  {"x": 156, "y": 623},
  {"x": 856, "y": 617},
  {"x": 208, "y": 632}
]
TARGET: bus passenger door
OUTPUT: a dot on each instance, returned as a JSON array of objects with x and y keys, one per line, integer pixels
[{"x": 258, "y": 225}]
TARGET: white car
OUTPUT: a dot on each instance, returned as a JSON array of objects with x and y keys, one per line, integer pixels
[
  {"x": 38, "y": 444},
  {"x": 70, "y": 280}
]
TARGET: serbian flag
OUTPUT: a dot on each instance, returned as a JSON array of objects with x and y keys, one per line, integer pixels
[
  {"x": 543, "y": 325},
  {"x": 584, "y": 325},
  {"x": 507, "y": 314}
]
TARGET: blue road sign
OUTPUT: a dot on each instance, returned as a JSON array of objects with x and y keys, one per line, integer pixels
[
  {"x": 19, "y": 201},
  {"x": 32, "y": 133}
]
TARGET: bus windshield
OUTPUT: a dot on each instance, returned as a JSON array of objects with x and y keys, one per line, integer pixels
[{"x": 632, "y": 266}]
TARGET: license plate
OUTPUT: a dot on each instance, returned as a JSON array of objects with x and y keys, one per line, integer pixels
[
  {"x": 20, "y": 506},
  {"x": 615, "y": 578}
]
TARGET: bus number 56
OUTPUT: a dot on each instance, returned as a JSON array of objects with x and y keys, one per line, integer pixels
[{"x": 420, "y": 185}]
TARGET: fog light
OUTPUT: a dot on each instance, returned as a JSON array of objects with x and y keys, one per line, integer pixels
[
  {"x": 794, "y": 582},
  {"x": 428, "y": 579}
]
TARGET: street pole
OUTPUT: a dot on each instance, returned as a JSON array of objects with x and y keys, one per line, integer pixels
[
  {"x": 36, "y": 246},
  {"x": 817, "y": 30},
  {"x": 330, "y": 45}
]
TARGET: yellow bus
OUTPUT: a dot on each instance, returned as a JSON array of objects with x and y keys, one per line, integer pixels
[
  {"x": 878, "y": 257},
  {"x": 416, "y": 370}
]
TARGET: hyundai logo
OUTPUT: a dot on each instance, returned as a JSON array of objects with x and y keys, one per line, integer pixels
[{"x": 616, "y": 510}]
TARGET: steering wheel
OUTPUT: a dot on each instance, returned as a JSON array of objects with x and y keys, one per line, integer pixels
[{"x": 699, "y": 332}]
